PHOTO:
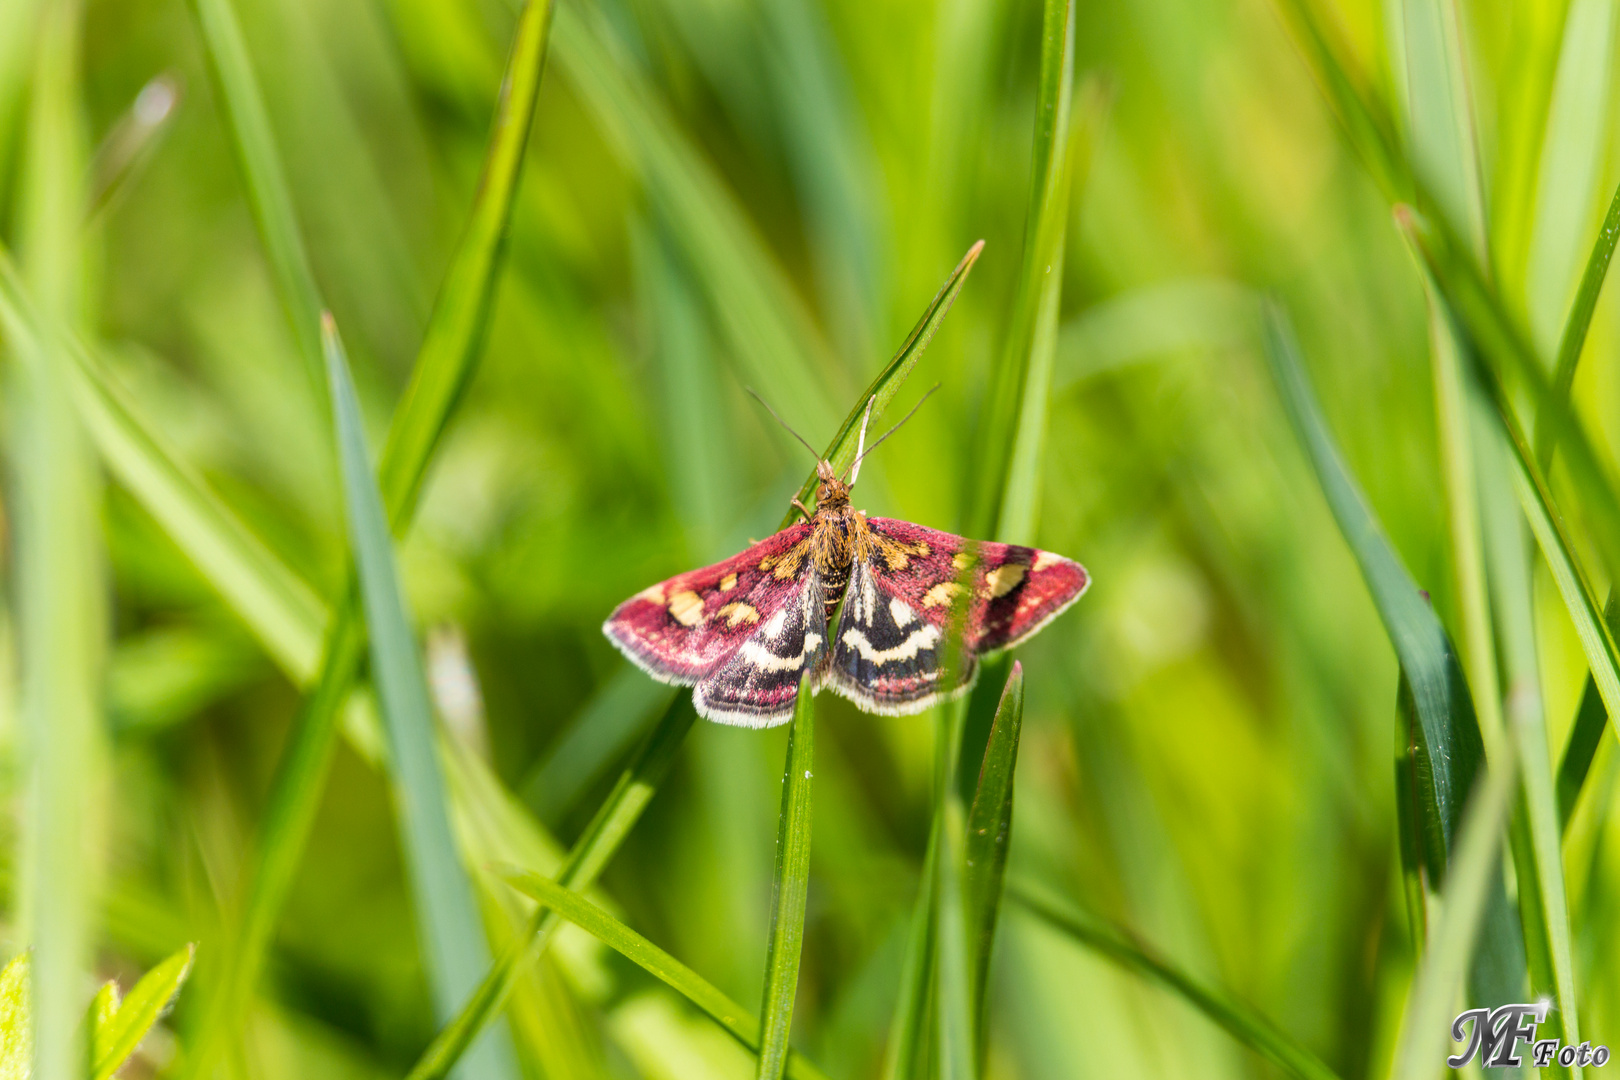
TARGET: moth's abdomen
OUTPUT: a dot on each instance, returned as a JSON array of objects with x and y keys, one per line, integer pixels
[{"x": 832, "y": 586}]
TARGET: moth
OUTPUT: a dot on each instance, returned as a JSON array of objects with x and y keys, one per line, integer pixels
[{"x": 745, "y": 631}]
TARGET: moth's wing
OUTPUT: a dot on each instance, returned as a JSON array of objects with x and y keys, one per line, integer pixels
[
  {"x": 757, "y": 685},
  {"x": 887, "y": 655},
  {"x": 680, "y": 630},
  {"x": 888, "y": 652}
]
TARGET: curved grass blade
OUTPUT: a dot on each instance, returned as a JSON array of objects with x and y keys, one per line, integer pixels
[
  {"x": 570, "y": 905},
  {"x": 1591, "y": 719},
  {"x": 989, "y": 829},
  {"x": 841, "y": 451},
  {"x": 589, "y": 855},
  {"x": 790, "y": 890},
  {"x": 1572, "y": 340},
  {"x": 117, "y": 1036},
  {"x": 1473, "y": 878},
  {"x": 1120, "y": 946},
  {"x": 443, "y": 367},
  {"x": 453, "y": 941},
  {"x": 254, "y": 143},
  {"x": 1451, "y": 746}
]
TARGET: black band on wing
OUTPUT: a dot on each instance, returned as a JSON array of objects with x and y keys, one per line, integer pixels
[
  {"x": 887, "y": 657},
  {"x": 757, "y": 685}
]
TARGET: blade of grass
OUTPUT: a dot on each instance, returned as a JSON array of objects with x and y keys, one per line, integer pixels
[
  {"x": 1444, "y": 146},
  {"x": 601, "y": 732},
  {"x": 624, "y": 804},
  {"x": 1015, "y": 411},
  {"x": 570, "y": 905},
  {"x": 1429, "y": 1009},
  {"x": 906, "y": 1052},
  {"x": 231, "y": 69},
  {"x": 1450, "y": 746},
  {"x": 1585, "y": 736},
  {"x": 148, "y": 999},
  {"x": 61, "y": 612},
  {"x": 453, "y": 942},
  {"x": 590, "y": 854},
  {"x": 444, "y": 365},
  {"x": 790, "y": 889},
  {"x": 841, "y": 451},
  {"x": 989, "y": 829},
  {"x": 1120, "y": 946},
  {"x": 1572, "y": 341}
]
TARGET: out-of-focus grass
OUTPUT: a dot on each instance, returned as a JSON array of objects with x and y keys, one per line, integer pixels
[{"x": 769, "y": 193}]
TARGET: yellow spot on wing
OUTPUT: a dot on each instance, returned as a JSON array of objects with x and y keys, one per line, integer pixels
[
  {"x": 962, "y": 560},
  {"x": 728, "y": 583},
  {"x": 1004, "y": 579},
  {"x": 653, "y": 594},
  {"x": 686, "y": 608},
  {"x": 737, "y": 613},
  {"x": 1044, "y": 559},
  {"x": 941, "y": 594}
]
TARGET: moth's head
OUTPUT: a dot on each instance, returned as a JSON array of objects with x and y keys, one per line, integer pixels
[{"x": 831, "y": 491}]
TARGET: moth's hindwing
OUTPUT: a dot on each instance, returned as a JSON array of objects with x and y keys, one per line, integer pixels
[
  {"x": 681, "y": 630},
  {"x": 888, "y": 657},
  {"x": 756, "y": 686}
]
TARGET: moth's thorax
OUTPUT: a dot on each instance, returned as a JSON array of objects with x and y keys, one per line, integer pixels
[{"x": 836, "y": 533}]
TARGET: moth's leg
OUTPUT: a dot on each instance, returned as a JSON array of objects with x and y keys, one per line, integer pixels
[{"x": 799, "y": 506}]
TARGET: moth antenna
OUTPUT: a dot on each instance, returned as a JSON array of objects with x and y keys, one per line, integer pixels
[
  {"x": 813, "y": 451},
  {"x": 856, "y": 463},
  {"x": 860, "y": 447}
]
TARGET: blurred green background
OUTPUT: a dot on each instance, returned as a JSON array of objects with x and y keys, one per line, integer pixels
[{"x": 720, "y": 193}]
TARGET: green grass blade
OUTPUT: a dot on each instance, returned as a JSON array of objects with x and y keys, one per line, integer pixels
[
  {"x": 148, "y": 999},
  {"x": 589, "y": 855},
  {"x": 602, "y": 731},
  {"x": 16, "y": 1019},
  {"x": 841, "y": 450},
  {"x": 1573, "y": 339},
  {"x": 570, "y": 905},
  {"x": 1586, "y": 735},
  {"x": 790, "y": 889},
  {"x": 1431, "y": 1006},
  {"x": 453, "y": 942},
  {"x": 1444, "y": 145},
  {"x": 1015, "y": 411},
  {"x": 253, "y": 141},
  {"x": 989, "y": 830},
  {"x": 1118, "y": 945},
  {"x": 906, "y": 1053},
  {"x": 1451, "y": 745},
  {"x": 443, "y": 368}
]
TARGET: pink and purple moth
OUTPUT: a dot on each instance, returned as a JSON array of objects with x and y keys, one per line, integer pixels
[{"x": 743, "y": 632}]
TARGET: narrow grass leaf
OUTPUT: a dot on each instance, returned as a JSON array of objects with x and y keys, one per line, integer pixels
[
  {"x": 1118, "y": 945},
  {"x": 1015, "y": 410},
  {"x": 117, "y": 1037},
  {"x": 989, "y": 830},
  {"x": 1438, "y": 984},
  {"x": 253, "y": 141},
  {"x": 841, "y": 450},
  {"x": 1444, "y": 146},
  {"x": 570, "y": 905},
  {"x": 453, "y": 942},
  {"x": 16, "y": 1020},
  {"x": 906, "y": 1052},
  {"x": 586, "y": 859},
  {"x": 594, "y": 739},
  {"x": 1572, "y": 341},
  {"x": 443, "y": 368},
  {"x": 1591, "y": 719},
  {"x": 790, "y": 889},
  {"x": 1451, "y": 749}
]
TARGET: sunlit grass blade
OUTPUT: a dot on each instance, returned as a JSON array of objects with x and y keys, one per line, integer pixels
[
  {"x": 989, "y": 830},
  {"x": 1431, "y": 1006},
  {"x": 570, "y": 905},
  {"x": 1443, "y": 144},
  {"x": 453, "y": 941},
  {"x": 1121, "y": 947},
  {"x": 116, "y": 1037},
  {"x": 790, "y": 889},
  {"x": 1572, "y": 341},
  {"x": 586, "y": 859},
  {"x": 841, "y": 450},
  {"x": 253, "y": 141}
]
